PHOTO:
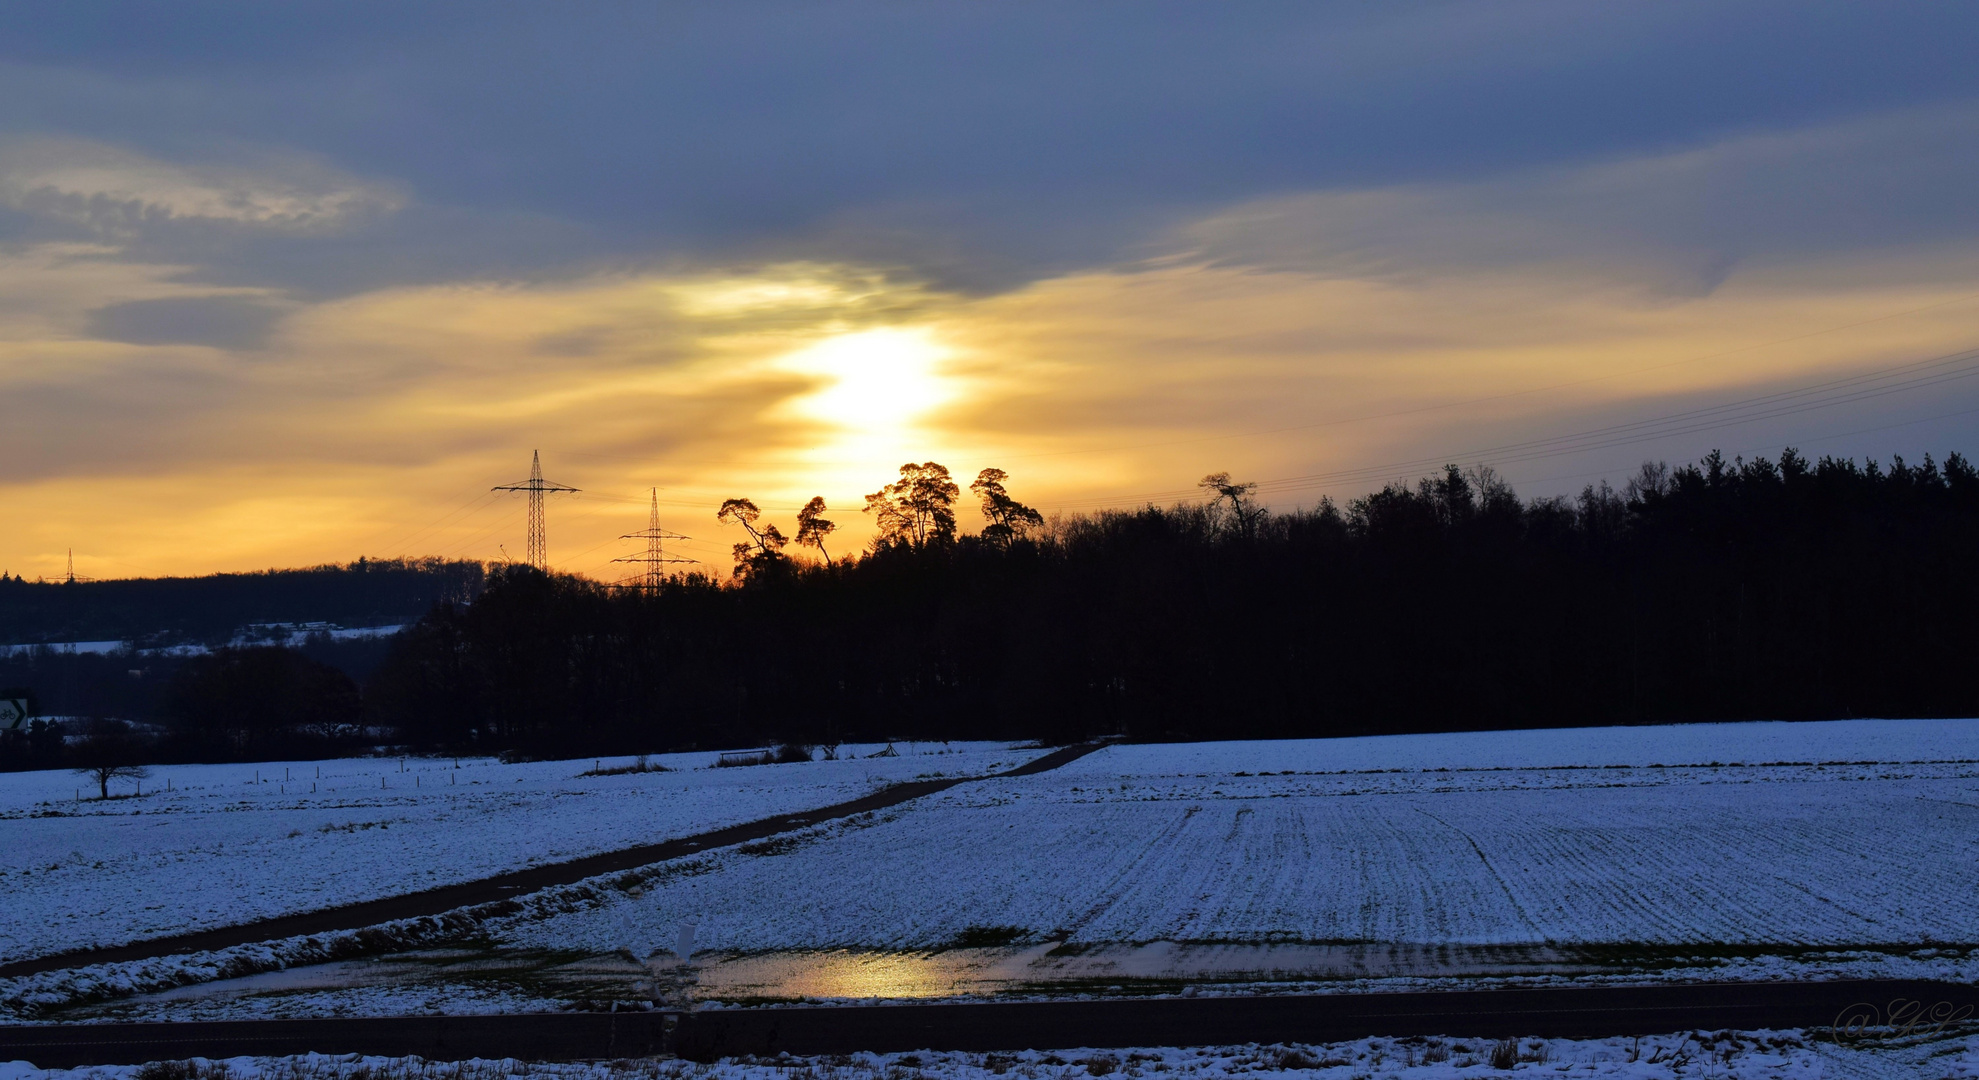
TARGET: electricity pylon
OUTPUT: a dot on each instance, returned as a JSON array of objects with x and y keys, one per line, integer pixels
[
  {"x": 536, "y": 486},
  {"x": 655, "y": 557},
  {"x": 71, "y": 577}
]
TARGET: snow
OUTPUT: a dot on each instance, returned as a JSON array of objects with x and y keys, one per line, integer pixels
[
  {"x": 251, "y": 634},
  {"x": 96, "y": 647},
  {"x": 1752, "y": 851},
  {"x": 1749, "y": 743},
  {"x": 1143, "y": 844},
  {"x": 233, "y": 843},
  {"x": 1774, "y": 1055}
]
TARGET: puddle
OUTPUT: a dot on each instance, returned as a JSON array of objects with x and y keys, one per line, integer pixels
[
  {"x": 562, "y": 980},
  {"x": 1159, "y": 967}
]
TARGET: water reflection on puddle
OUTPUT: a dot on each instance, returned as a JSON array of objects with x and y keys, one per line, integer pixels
[{"x": 1153, "y": 967}]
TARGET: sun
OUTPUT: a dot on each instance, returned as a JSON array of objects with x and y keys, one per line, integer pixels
[{"x": 876, "y": 382}]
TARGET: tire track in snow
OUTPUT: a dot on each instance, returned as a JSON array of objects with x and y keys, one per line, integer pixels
[
  {"x": 1510, "y": 897},
  {"x": 1123, "y": 878}
]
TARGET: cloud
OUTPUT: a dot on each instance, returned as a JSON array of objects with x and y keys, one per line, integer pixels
[
  {"x": 729, "y": 254},
  {"x": 975, "y": 148},
  {"x": 369, "y": 417},
  {"x": 1675, "y": 224},
  {"x": 115, "y": 191},
  {"x": 222, "y": 322}
]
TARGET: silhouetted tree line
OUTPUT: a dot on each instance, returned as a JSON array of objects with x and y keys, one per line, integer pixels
[
  {"x": 210, "y": 609},
  {"x": 232, "y": 704},
  {"x": 1722, "y": 590},
  {"x": 256, "y": 701}
]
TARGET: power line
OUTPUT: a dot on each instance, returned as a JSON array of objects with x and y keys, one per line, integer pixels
[
  {"x": 461, "y": 548},
  {"x": 462, "y": 511}
]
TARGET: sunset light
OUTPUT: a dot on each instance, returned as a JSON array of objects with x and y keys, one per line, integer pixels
[
  {"x": 878, "y": 384},
  {"x": 1178, "y": 540}
]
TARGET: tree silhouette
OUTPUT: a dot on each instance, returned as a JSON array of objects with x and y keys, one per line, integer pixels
[
  {"x": 812, "y": 527},
  {"x": 262, "y": 698},
  {"x": 1233, "y": 502},
  {"x": 918, "y": 508},
  {"x": 108, "y": 752},
  {"x": 1789, "y": 588},
  {"x": 1008, "y": 518},
  {"x": 765, "y": 544}
]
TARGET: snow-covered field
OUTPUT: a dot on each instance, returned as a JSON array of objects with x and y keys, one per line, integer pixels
[
  {"x": 232, "y": 843},
  {"x": 1772, "y": 1055},
  {"x": 1707, "y": 851},
  {"x": 1754, "y": 743},
  {"x": 1175, "y": 843}
]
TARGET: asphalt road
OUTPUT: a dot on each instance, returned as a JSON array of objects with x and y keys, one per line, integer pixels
[
  {"x": 510, "y": 885},
  {"x": 1563, "y": 1012}
]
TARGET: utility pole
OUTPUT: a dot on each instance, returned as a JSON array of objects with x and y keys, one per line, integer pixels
[
  {"x": 536, "y": 486},
  {"x": 655, "y": 557}
]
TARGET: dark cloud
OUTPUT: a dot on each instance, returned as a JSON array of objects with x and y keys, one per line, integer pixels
[
  {"x": 222, "y": 322},
  {"x": 976, "y": 145},
  {"x": 1678, "y": 224}
]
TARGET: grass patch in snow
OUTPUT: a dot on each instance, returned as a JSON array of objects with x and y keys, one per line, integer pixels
[
  {"x": 988, "y": 937},
  {"x": 644, "y": 763}
]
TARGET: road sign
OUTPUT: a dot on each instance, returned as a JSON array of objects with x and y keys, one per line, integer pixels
[{"x": 13, "y": 714}]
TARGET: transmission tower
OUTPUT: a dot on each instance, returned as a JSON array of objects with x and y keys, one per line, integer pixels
[
  {"x": 71, "y": 577},
  {"x": 655, "y": 557},
  {"x": 537, "y": 487}
]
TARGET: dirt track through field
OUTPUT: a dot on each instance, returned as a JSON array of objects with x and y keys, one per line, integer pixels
[
  {"x": 1562, "y": 1012},
  {"x": 515, "y": 883}
]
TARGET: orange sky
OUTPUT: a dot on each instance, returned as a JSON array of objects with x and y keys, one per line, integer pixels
[{"x": 1321, "y": 332}]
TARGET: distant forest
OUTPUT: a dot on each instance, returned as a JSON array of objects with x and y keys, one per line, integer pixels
[
  {"x": 170, "y": 611},
  {"x": 1724, "y": 590},
  {"x": 139, "y": 684}
]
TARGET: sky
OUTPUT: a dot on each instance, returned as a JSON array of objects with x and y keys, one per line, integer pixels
[{"x": 290, "y": 284}]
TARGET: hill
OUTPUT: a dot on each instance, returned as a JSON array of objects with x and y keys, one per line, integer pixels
[{"x": 211, "y": 610}]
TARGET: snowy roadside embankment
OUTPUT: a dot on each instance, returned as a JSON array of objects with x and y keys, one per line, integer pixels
[{"x": 229, "y": 844}]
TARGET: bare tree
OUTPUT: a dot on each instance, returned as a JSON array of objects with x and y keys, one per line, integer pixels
[
  {"x": 1494, "y": 492},
  {"x": 107, "y": 752},
  {"x": 1649, "y": 482}
]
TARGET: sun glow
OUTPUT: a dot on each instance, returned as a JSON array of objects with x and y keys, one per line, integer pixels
[{"x": 876, "y": 382}]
